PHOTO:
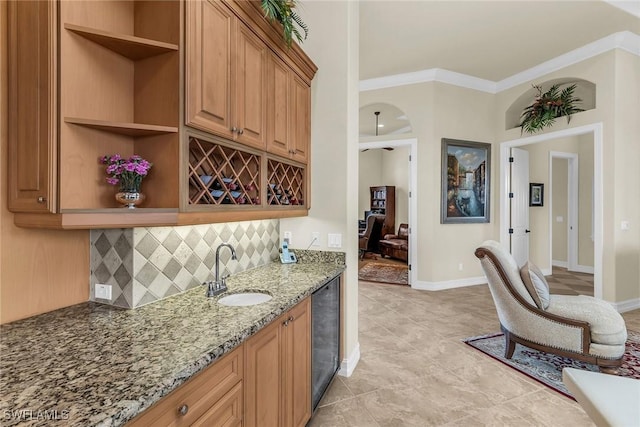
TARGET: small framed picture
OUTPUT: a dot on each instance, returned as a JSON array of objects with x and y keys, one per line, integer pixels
[{"x": 536, "y": 194}]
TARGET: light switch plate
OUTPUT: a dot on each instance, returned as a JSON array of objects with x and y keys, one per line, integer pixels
[{"x": 335, "y": 240}]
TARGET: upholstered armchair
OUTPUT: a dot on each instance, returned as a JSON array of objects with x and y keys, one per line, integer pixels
[
  {"x": 370, "y": 237},
  {"x": 396, "y": 245},
  {"x": 579, "y": 327}
]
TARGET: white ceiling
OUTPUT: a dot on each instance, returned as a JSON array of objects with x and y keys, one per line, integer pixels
[{"x": 491, "y": 40}]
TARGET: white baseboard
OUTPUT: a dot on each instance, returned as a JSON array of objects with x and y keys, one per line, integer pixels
[
  {"x": 546, "y": 271},
  {"x": 584, "y": 269},
  {"x": 628, "y": 305},
  {"x": 349, "y": 364},
  {"x": 579, "y": 268},
  {"x": 449, "y": 284}
]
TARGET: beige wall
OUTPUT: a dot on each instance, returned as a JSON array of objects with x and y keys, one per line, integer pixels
[
  {"x": 585, "y": 201},
  {"x": 385, "y": 167},
  {"x": 333, "y": 46},
  {"x": 441, "y": 111},
  {"x": 395, "y": 171},
  {"x": 559, "y": 206},
  {"x": 39, "y": 270},
  {"x": 618, "y": 101},
  {"x": 369, "y": 175},
  {"x": 453, "y": 112},
  {"x": 625, "y": 174},
  {"x": 539, "y": 155}
]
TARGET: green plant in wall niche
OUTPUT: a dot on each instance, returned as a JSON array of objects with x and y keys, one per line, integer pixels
[
  {"x": 283, "y": 12},
  {"x": 548, "y": 106}
]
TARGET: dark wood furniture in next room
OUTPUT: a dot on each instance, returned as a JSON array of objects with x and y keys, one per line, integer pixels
[
  {"x": 396, "y": 245},
  {"x": 383, "y": 202}
]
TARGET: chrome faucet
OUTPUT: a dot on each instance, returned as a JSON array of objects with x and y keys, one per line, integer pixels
[{"x": 220, "y": 284}]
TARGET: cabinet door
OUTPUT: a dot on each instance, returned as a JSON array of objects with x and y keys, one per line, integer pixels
[
  {"x": 32, "y": 106},
  {"x": 209, "y": 66},
  {"x": 297, "y": 365},
  {"x": 263, "y": 385},
  {"x": 250, "y": 88},
  {"x": 300, "y": 119},
  {"x": 278, "y": 100}
]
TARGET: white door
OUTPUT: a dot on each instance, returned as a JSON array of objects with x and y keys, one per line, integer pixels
[{"x": 519, "y": 205}]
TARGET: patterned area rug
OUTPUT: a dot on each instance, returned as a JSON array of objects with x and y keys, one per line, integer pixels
[
  {"x": 547, "y": 368},
  {"x": 384, "y": 273}
]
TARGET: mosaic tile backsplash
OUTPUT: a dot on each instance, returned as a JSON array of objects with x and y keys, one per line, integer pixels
[{"x": 144, "y": 265}]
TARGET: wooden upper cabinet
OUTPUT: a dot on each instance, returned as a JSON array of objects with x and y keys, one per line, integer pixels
[
  {"x": 300, "y": 119},
  {"x": 32, "y": 147},
  {"x": 278, "y": 101},
  {"x": 250, "y": 88},
  {"x": 209, "y": 66},
  {"x": 226, "y": 75},
  {"x": 288, "y": 112}
]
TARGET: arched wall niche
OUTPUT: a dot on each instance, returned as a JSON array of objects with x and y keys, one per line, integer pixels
[
  {"x": 585, "y": 90},
  {"x": 391, "y": 120}
]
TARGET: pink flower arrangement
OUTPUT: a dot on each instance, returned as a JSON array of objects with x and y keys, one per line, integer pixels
[{"x": 126, "y": 172}]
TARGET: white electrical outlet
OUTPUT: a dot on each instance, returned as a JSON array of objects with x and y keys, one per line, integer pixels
[
  {"x": 335, "y": 240},
  {"x": 460, "y": 267},
  {"x": 103, "y": 291},
  {"x": 315, "y": 239},
  {"x": 287, "y": 237}
]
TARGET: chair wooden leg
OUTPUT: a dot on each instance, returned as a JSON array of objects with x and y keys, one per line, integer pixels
[
  {"x": 509, "y": 345},
  {"x": 611, "y": 370}
]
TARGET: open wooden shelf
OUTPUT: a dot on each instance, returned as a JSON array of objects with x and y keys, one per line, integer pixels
[
  {"x": 129, "y": 129},
  {"x": 99, "y": 218},
  {"x": 132, "y": 47}
]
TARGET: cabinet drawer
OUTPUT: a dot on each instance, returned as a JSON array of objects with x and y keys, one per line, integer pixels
[
  {"x": 226, "y": 413},
  {"x": 198, "y": 396}
]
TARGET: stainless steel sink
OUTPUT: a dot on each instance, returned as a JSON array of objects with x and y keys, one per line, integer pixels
[{"x": 242, "y": 299}]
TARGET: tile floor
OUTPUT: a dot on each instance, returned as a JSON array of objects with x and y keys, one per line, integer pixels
[
  {"x": 566, "y": 282},
  {"x": 414, "y": 369}
]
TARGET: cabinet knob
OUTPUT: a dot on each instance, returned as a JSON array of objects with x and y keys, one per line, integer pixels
[
  {"x": 234, "y": 129},
  {"x": 240, "y": 131},
  {"x": 42, "y": 199},
  {"x": 286, "y": 322},
  {"x": 183, "y": 410}
]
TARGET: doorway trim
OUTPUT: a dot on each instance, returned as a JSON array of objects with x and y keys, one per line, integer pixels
[
  {"x": 598, "y": 226},
  {"x": 572, "y": 207},
  {"x": 412, "y": 143}
]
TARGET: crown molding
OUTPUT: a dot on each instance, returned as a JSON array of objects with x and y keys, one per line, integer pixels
[
  {"x": 625, "y": 40},
  {"x": 632, "y": 7}
]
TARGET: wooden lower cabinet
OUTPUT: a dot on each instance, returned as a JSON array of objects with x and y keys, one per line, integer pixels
[
  {"x": 278, "y": 371},
  {"x": 265, "y": 382},
  {"x": 213, "y": 397}
]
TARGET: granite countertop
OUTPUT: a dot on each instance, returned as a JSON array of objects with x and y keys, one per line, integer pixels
[{"x": 97, "y": 365}]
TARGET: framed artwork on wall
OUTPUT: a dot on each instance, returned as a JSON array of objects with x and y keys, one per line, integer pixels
[
  {"x": 466, "y": 171},
  {"x": 536, "y": 194}
]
